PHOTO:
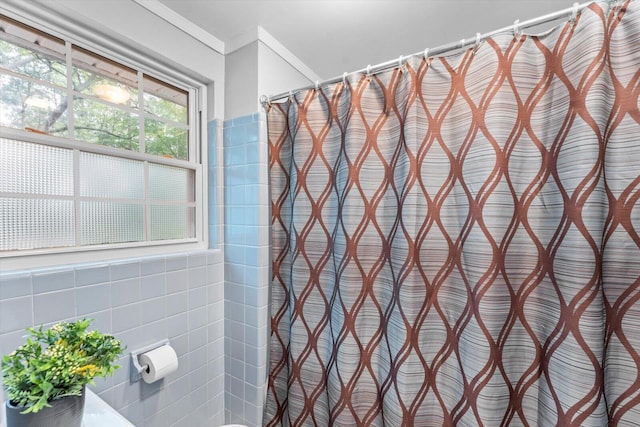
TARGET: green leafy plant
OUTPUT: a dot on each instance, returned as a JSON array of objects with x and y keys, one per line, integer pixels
[{"x": 57, "y": 362}]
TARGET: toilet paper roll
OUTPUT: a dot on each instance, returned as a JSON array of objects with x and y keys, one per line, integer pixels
[{"x": 161, "y": 362}]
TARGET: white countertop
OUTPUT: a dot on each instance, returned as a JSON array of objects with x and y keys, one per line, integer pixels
[{"x": 97, "y": 413}]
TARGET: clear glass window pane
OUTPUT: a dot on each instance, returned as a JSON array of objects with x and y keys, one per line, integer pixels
[
  {"x": 31, "y": 106},
  {"x": 105, "y": 125},
  {"x": 106, "y": 223},
  {"x": 170, "y": 183},
  {"x": 111, "y": 177},
  {"x": 164, "y": 100},
  {"x": 35, "y": 169},
  {"x": 30, "y": 52},
  {"x": 165, "y": 140},
  {"x": 101, "y": 77},
  {"x": 172, "y": 222},
  {"x": 36, "y": 223}
]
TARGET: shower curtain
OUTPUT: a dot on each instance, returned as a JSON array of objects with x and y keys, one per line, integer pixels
[{"x": 455, "y": 241}]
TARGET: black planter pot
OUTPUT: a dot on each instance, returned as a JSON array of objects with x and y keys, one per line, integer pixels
[{"x": 65, "y": 412}]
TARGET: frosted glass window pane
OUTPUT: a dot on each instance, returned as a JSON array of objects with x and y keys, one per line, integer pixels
[
  {"x": 104, "y": 223},
  {"x": 170, "y": 183},
  {"x": 33, "y": 224},
  {"x": 111, "y": 177},
  {"x": 172, "y": 222},
  {"x": 105, "y": 125},
  {"x": 34, "y": 107},
  {"x": 35, "y": 169}
]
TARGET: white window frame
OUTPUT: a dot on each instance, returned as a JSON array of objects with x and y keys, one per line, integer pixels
[{"x": 46, "y": 257}]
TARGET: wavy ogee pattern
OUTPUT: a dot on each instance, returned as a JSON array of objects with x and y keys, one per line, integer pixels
[{"x": 455, "y": 242}]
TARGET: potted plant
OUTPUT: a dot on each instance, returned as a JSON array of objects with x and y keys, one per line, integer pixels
[{"x": 45, "y": 377}]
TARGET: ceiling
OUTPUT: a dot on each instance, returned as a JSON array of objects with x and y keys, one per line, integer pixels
[{"x": 334, "y": 36}]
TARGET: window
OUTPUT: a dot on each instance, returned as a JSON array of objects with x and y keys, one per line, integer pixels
[{"x": 94, "y": 153}]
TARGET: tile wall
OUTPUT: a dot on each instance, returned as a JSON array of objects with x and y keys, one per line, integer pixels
[
  {"x": 212, "y": 305},
  {"x": 246, "y": 265},
  {"x": 140, "y": 301}
]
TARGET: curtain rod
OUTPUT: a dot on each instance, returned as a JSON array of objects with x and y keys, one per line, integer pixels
[{"x": 517, "y": 26}]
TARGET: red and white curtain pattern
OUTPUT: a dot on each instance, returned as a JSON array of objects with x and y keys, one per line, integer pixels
[{"x": 455, "y": 242}]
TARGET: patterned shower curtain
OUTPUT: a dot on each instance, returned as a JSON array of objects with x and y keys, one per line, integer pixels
[{"x": 455, "y": 241}]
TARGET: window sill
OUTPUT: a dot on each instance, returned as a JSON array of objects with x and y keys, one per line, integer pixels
[{"x": 93, "y": 255}]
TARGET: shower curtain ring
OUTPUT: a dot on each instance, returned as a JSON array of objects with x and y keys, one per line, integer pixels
[
  {"x": 401, "y": 64},
  {"x": 317, "y": 85},
  {"x": 290, "y": 94},
  {"x": 574, "y": 13},
  {"x": 265, "y": 101},
  {"x": 478, "y": 40},
  {"x": 369, "y": 70},
  {"x": 462, "y": 43},
  {"x": 344, "y": 78},
  {"x": 516, "y": 28},
  {"x": 426, "y": 54}
]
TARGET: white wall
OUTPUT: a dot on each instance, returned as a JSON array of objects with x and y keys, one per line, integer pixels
[
  {"x": 276, "y": 75},
  {"x": 127, "y": 28},
  {"x": 241, "y": 89},
  {"x": 255, "y": 70}
]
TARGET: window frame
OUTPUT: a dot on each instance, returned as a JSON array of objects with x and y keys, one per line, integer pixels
[{"x": 197, "y": 155}]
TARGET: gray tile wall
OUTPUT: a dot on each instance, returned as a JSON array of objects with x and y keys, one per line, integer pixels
[
  {"x": 140, "y": 301},
  {"x": 246, "y": 264}
]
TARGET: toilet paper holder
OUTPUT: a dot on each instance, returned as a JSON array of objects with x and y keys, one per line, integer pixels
[{"x": 137, "y": 369}]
